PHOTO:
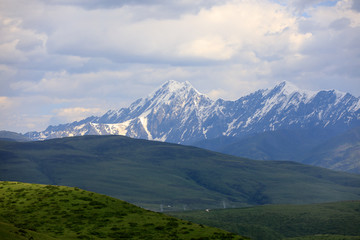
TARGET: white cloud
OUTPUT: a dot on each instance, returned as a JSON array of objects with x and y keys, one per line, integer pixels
[
  {"x": 18, "y": 44},
  {"x": 216, "y": 93},
  {"x": 9, "y": 54},
  {"x": 5, "y": 103},
  {"x": 331, "y": 54},
  {"x": 217, "y": 33},
  {"x": 63, "y": 84},
  {"x": 213, "y": 48},
  {"x": 16, "y": 115},
  {"x": 74, "y": 114}
]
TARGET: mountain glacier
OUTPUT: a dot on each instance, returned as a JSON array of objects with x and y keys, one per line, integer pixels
[{"x": 178, "y": 113}]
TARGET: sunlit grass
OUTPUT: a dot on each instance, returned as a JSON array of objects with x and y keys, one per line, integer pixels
[{"x": 32, "y": 210}]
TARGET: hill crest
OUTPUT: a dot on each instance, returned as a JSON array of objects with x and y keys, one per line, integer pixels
[{"x": 171, "y": 174}]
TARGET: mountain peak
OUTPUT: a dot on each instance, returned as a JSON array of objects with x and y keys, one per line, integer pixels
[
  {"x": 173, "y": 86},
  {"x": 288, "y": 88}
]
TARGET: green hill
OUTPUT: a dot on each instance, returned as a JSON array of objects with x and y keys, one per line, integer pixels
[
  {"x": 163, "y": 176},
  {"x": 32, "y": 211},
  {"x": 319, "y": 147},
  {"x": 336, "y": 221},
  {"x": 284, "y": 144},
  {"x": 10, "y": 232},
  {"x": 341, "y": 152}
]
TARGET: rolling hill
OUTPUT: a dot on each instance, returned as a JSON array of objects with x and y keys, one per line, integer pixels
[
  {"x": 33, "y": 211},
  {"x": 285, "y": 144},
  {"x": 319, "y": 147},
  {"x": 341, "y": 152},
  {"x": 167, "y": 177},
  {"x": 13, "y": 136}
]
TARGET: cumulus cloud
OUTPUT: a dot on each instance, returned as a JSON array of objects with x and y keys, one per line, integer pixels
[
  {"x": 331, "y": 50},
  {"x": 217, "y": 33}
]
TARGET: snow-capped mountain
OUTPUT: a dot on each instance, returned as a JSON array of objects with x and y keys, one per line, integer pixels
[{"x": 177, "y": 112}]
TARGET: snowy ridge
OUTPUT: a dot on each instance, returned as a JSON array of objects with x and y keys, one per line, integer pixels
[
  {"x": 177, "y": 112},
  {"x": 289, "y": 88}
]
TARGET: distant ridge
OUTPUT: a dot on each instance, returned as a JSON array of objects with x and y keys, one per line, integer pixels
[
  {"x": 178, "y": 113},
  {"x": 152, "y": 173},
  {"x": 13, "y": 136},
  {"x": 339, "y": 153},
  {"x": 319, "y": 147}
]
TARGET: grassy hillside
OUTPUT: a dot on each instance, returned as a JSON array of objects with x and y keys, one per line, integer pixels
[
  {"x": 32, "y": 211},
  {"x": 341, "y": 152},
  {"x": 10, "y": 232},
  {"x": 162, "y": 176},
  {"x": 319, "y": 147},
  {"x": 271, "y": 145},
  {"x": 340, "y": 220}
]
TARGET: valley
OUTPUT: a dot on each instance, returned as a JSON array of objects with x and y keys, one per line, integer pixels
[{"x": 330, "y": 221}]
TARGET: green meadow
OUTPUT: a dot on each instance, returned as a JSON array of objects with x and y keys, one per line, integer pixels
[
  {"x": 33, "y": 211},
  {"x": 330, "y": 221}
]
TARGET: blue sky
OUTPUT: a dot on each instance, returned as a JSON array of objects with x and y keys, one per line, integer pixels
[{"x": 64, "y": 60}]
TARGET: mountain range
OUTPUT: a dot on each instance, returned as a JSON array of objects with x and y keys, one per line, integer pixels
[{"x": 178, "y": 113}]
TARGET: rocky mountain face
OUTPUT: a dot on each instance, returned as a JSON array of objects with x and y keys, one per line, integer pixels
[{"x": 178, "y": 113}]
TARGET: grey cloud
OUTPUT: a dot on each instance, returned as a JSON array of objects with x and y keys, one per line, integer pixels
[
  {"x": 328, "y": 61},
  {"x": 157, "y": 8},
  {"x": 93, "y": 4},
  {"x": 29, "y": 44},
  {"x": 96, "y": 4},
  {"x": 340, "y": 24},
  {"x": 300, "y": 5},
  {"x": 356, "y": 5}
]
